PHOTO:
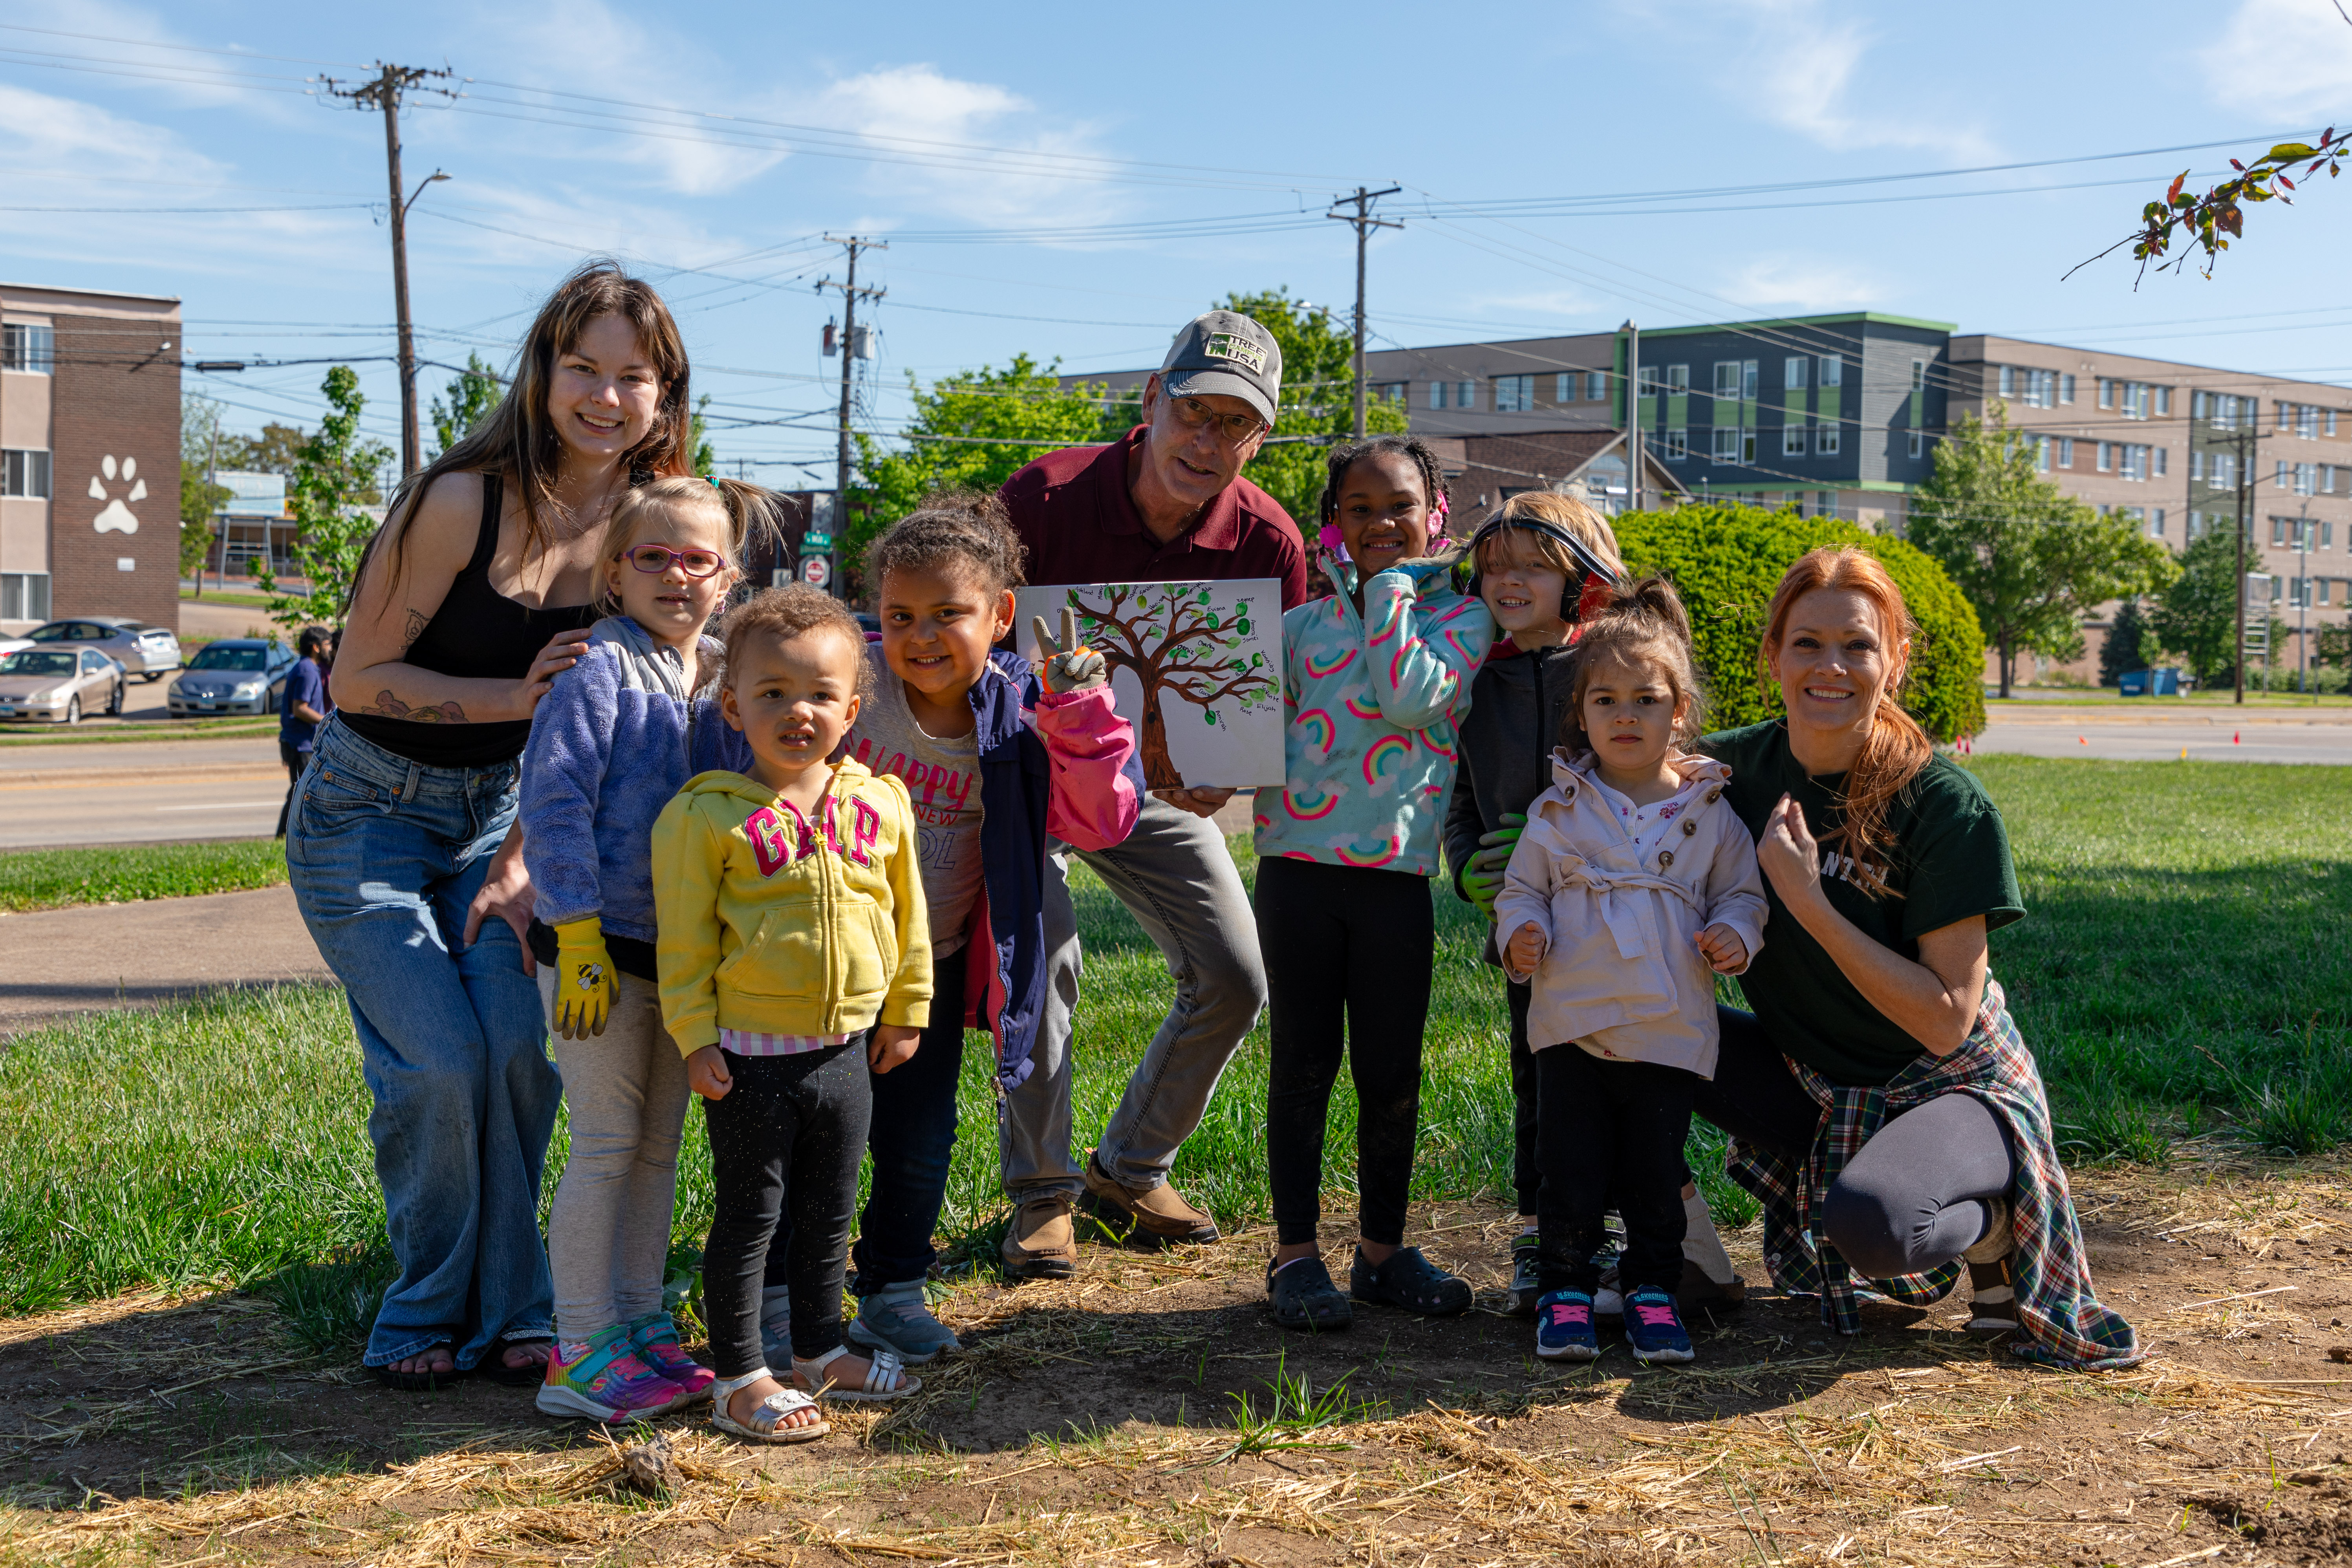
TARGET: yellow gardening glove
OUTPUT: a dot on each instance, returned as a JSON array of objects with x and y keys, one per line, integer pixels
[{"x": 585, "y": 980}]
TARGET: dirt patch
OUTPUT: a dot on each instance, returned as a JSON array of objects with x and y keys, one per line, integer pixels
[{"x": 1148, "y": 1412}]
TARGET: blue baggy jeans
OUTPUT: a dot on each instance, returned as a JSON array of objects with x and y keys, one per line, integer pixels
[{"x": 385, "y": 855}]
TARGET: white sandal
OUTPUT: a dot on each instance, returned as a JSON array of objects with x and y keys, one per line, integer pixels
[
  {"x": 768, "y": 1422},
  {"x": 886, "y": 1377}
]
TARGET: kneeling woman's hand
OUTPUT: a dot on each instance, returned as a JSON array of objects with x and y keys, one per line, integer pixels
[
  {"x": 892, "y": 1045},
  {"x": 707, "y": 1074}
]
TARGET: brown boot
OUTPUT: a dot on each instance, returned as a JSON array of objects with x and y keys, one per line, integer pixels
[
  {"x": 1038, "y": 1244},
  {"x": 1159, "y": 1215}
]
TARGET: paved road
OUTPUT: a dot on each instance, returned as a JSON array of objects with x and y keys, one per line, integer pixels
[
  {"x": 150, "y": 792},
  {"x": 112, "y": 956},
  {"x": 2229, "y": 739}
]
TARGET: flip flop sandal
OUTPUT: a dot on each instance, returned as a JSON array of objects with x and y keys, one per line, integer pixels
[
  {"x": 420, "y": 1382},
  {"x": 767, "y": 1423},
  {"x": 886, "y": 1378},
  {"x": 493, "y": 1365}
]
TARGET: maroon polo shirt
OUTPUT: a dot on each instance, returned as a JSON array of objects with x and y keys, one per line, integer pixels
[{"x": 1074, "y": 514}]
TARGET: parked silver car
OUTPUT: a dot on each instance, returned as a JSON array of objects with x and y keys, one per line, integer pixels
[
  {"x": 148, "y": 652},
  {"x": 235, "y": 675},
  {"x": 59, "y": 684}
]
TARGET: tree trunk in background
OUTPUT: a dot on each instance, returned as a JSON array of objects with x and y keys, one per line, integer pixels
[{"x": 2008, "y": 668}]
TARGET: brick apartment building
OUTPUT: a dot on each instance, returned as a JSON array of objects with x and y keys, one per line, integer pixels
[
  {"x": 89, "y": 456},
  {"x": 1840, "y": 413}
]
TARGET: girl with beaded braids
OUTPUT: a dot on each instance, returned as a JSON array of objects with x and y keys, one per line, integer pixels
[
  {"x": 998, "y": 758},
  {"x": 1376, "y": 679}
]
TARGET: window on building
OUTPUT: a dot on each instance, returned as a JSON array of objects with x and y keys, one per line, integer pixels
[
  {"x": 2306, "y": 422},
  {"x": 23, "y": 596},
  {"x": 1915, "y": 443},
  {"x": 2105, "y": 461},
  {"x": 2279, "y": 525},
  {"x": 2159, "y": 461},
  {"x": 2331, "y": 424},
  {"x": 1747, "y": 447},
  {"x": 2009, "y": 381},
  {"x": 1826, "y": 441},
  {"x": 1727, "y": 442},
  {"x": 1596, "y": 386},
  {"x": 2326, "y": 535},
  {"x": 1390, "y": 391},
  {"x": 1437, "y": 394},
  {"x": 33, "y": 349},
  {"x": 2156, "y": 523},
  {"x": 2041, "y": 453},
  {"x": 2163, "y": 402},
  {"x": 2224, "y": 467},
  {"x": 1792, "y": 440},
  {"x": 1677, "y": 445},
  {"x": 2196, "y": 466},
  {"x": 1726, "y": 379},
  {"x": 2307, "y": 479},
  {"x": 1465, "y": 395},
  {"x": 1514, "y": 393},
  {"x": 1747, "y": 383},
  {"x": 1563, "y": 386},
  {"x": 2066, "y": 451},
  {"x": 25, "y": 473},
  {"x": 1832, "y": 371},
  {"x": 2327, "y": 479},
  {"x": 2066, "y": 389},
  {"x": 2196, "y": 404},
  {"x": 2106, "y": 393},
  {"x": 2279, "y": 479},
  {"x": 1653, "y": 380},
  {"x": 1918, "y": 376},
  {"x": 1792, "y": 373}
]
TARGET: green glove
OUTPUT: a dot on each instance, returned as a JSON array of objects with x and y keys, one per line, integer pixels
[
  {"x": 1482, "y": 879},
  {"x": 586, "y": 980}
]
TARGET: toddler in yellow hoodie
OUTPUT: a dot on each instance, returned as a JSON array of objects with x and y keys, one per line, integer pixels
[{"x": 791, "y": 914}]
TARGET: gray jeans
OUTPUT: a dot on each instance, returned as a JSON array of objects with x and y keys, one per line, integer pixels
[
  {"x": 608, "y": 1229},
  {"x": 1175, "y": 875}
]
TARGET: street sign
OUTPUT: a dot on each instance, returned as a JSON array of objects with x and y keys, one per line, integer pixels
[
  {"x": 815, "y": 541},
  {"x": 816, "y": 570}
]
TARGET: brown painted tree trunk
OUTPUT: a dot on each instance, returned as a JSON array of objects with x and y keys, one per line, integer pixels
[{"x": 1158, "y": 768}]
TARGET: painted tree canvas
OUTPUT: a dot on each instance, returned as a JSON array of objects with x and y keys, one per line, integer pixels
[{"x": 1195, "y": 667}]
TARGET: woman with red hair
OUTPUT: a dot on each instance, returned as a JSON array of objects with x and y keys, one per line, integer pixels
[{"x": 1882, "y": 1103}]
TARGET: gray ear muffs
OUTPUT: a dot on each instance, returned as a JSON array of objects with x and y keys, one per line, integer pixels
[{"x": 1592, "y": 570}]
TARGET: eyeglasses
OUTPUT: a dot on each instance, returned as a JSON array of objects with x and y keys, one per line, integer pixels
[
  {"x": 651, "y": 559},
  {"x": 1233, "y": 429}
]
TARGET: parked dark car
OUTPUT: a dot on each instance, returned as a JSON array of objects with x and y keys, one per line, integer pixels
[{"x": 235, "y": 675}]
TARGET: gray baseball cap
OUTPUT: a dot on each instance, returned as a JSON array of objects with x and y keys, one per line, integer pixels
[{"x": 1225, "y": 353}]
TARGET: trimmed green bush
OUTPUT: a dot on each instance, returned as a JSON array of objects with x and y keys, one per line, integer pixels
[{"x": 1725, "y": 560}]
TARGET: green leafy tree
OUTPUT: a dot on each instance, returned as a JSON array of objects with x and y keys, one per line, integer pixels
[
  {"x": 698, "y": 435},
  {"x": 1725, "y": 560},
  {"x": 969, "y": 431},
  {"x": 2196, "y": 617},
  {"x": 200, "y": 442},
  {"x": 2032, "y": 559},
  {"x": 2128, "y": 645},
  {"x": 1318, "y": 392},
  {"x": 2332, "y": 645},
  {"x": 334, "y": 479},
  {"x": 276, "y": 450},
  {"x": 473, "y": 393}
]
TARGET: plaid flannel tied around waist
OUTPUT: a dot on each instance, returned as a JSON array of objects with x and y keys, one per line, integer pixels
[{"x": 2061, "y": 1322}]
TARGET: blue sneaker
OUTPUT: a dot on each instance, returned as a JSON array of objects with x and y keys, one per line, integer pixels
[
  {"x": 1653, "y": 1329},
  {"x": 1564, "y": 1327}
]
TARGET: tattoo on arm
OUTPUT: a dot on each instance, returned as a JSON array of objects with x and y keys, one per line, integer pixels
[
  {"x": 417, "y": 622},
  {"x": 387, "y": 705}
]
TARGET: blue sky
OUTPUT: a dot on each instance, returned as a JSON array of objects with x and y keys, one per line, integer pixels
[{"x": 983, "y": 149}]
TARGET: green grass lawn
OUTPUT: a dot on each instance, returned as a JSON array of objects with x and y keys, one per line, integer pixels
[
  {"x": 53, "y": 879},
  {"x": 2184, "y": 971}
]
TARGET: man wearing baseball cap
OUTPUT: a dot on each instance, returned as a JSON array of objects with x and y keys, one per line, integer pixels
[{"x": 1164, "y": 503}]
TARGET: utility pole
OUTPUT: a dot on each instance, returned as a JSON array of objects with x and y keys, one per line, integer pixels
[
  {"x": 2303, "y": 599},
  {"x": 850, "y": 294},
  {"x": 1634, "y": 416},
  {"x": 1363, "y": 223},
  {"x": 384, "y": 93},
  {"x": 2248, "y": 442}
]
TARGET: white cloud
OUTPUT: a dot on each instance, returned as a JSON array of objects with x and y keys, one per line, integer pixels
[
  {"x": 1796, "y": 283},
  {"x": 73, "y": 141},
  {"x": 1799, "y": 64},
  {"x": 2280, "y": 58}
]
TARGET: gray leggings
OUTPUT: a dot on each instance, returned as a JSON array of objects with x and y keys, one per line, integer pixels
[
  {"x": 1911, "y": 1199},
  {"x": 608, "y": 1228}
]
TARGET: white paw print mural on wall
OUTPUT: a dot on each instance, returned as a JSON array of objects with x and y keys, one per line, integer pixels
[{"x": 117, "y": 518}]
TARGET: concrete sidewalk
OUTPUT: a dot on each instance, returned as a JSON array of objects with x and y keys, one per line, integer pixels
[{"x": 101, "y": 957}]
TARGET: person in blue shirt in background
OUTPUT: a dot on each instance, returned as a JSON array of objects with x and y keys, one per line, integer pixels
[{"x": 303, "y": 708}]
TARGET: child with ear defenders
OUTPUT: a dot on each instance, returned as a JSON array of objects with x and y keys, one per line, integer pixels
[
  {"x": 1544, "y": 564},
  {"x": 1375, "y": 681}
]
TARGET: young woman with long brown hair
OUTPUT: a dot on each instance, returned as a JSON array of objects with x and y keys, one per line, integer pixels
[
  {"x": 403, "y": 848},
  {"x": 1887, "y": 1110}
]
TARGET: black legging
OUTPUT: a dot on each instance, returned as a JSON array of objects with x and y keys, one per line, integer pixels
[
  {"x": 1347, "y": 953},
  {"x": 789, "y": 1132},
  {"x": 1911, "y": 1199}
]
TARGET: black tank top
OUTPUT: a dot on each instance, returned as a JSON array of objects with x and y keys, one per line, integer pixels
[{"x": 477, "y": 634}]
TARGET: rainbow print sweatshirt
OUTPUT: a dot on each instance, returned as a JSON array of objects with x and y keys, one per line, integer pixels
[{"x": 1374, "y": 705}]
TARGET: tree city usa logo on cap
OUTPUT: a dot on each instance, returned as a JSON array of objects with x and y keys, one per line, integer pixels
[
  {"x": 1225, "y": 345},
  {"x": 117, "y": 518}
]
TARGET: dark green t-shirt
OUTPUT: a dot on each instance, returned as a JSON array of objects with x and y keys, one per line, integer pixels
[{"x": 1950, "y": 861}]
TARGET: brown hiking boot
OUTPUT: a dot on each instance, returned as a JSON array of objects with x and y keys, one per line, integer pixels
[
  {"x": 1038, "y": 1244},
  {"x": 1157, "y": 1217}
]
